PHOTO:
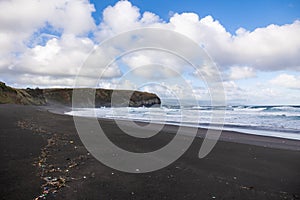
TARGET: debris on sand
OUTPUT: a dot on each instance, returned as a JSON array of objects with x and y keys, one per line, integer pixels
[
  {"x": 247, "y": 188},
  {"x": 51, "y": 186},
  {"x": 56, "y": 174}
]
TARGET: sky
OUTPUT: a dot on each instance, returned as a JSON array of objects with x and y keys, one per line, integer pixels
[{"x": 254, "y": 44}]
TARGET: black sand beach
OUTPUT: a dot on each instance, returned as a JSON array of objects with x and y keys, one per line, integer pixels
[{"x": 42, "y": 155}]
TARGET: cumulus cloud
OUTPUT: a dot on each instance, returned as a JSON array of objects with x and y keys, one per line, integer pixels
[
  {"x": 269, "y": 48},
  {"x": 26, "y": 25},
  {"x": 175, "y": 91},
  {"x": 262, "y": 93},
  {"x": 287, "y": 81},
  {"x": 20, "y": 19},
  {"x": 234, "y": 93},
  {"x": 152, "y": 63},
  {"x": 237, "y": 73},
  {"x": 58, "y": 57},
  {"x": 43, "y": 81},
  {"x": 123, "y": 16},
  {"x": 122, "y": 84},
  {"x": 50, "y": 40}
]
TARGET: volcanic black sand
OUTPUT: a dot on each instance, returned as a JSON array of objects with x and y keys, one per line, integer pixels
[{"x": 42, "y": 157}]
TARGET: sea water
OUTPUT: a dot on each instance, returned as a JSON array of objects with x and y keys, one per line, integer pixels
[{"x": 278, "y": 121}]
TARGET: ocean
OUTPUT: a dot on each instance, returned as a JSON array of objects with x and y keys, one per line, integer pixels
[{"x": 277, "y": 121}]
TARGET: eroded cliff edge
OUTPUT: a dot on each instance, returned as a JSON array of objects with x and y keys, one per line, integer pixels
[{"x": 64, "y": 97}]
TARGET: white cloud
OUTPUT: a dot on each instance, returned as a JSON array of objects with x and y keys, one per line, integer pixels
[
  {"x": 43, "y": 81},
  {"x": 120, "y": 17},
  {"x": 237, "y": 73},
  {"x": 27, "y": 16},
  {"x": 123, "y": 16},
  {"x": 31, "y": 56},
  {"x": 117, "y": 84},
  {"x": 267, "y": 49},
  {"x": 173, "y": 91},
  {"x": 287, "y": 81},
  {"x": 151, "y": 63},
  {"x": 270, "y": 48},
  {"x": 262, "y": 93},
  {"x": 233, "y": 92},
  {"x": 63, "y": 56},
  {"x": 27, "y": 50},
  {"x": 20, "y": 19}
]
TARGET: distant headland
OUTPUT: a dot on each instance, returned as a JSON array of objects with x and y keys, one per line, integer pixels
[{"x": 63, "y": 96}]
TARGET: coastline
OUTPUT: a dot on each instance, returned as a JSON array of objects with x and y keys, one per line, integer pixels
[
  {"x": 278, "y": 122},
  {"x": 230, "y": 135},
  {"x": 241, "y": 166}
]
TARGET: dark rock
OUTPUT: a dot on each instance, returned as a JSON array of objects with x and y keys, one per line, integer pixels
[{"x": 103, "y": 97}]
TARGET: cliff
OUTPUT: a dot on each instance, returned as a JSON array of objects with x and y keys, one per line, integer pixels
[{"x": 64, "y": 97}]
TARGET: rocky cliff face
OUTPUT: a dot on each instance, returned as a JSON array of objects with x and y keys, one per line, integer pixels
[{"x": 64, "y": 97}]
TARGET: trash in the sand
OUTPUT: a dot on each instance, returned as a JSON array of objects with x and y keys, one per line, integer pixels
[
  {"x": 170, "y": 176},
  {"x": 73, "y": 165},
  {"x": 213, "y": 197},
  {"x": 54, "y": 170},
  {"x": 71, "y": 141},
  {"x": 137, "y": 170},
  {"x": 48, "y": 178},
  {"x": 247, "y": 188},
  {"x": 112, "y": 173},
  {"x": 55, "y": 182},
  {"x": 46, "y": 192},
  {"x": 51, "y": 186},
  {"x": 43, "y": 196},
  {"x": 88, "y": 154},
  {"x": 132, "y": 193},
  {"x": 84, "y": 177},
  {"x": 234, "y": 178}
]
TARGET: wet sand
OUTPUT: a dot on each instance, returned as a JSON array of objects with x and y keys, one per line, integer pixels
[{"x": 42, "y": 156}]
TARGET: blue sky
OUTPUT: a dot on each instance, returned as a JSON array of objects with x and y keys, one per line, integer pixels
[
  {"x": 232, "y": 14},
  {"x": 255, "y": 44}
]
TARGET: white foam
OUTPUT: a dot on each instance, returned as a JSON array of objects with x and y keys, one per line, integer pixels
[{"x": 259, "y": 121}]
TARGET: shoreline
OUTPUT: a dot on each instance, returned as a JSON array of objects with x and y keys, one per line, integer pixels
[
  {"x": 293, "y": 134},
  {"x": 233, "y": 170},
  {"x": 231, "y": 135}
]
